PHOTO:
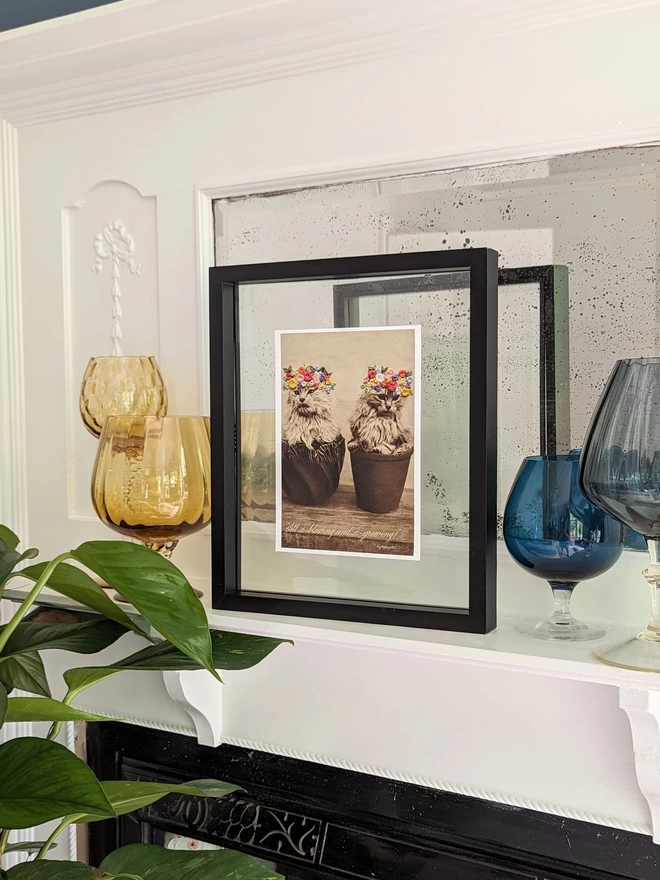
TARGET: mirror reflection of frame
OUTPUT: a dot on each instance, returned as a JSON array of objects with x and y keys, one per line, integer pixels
[{"x": 533, "y": 361}]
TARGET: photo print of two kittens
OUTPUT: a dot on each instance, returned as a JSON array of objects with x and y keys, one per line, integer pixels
[
  {"x": 376, "y": 423},
  {"x": 349, "y": 430}
]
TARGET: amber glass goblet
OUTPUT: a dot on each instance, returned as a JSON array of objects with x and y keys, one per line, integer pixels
[
  {"x": 121, "y": 386},
  {"x": 151, "y": 478}
]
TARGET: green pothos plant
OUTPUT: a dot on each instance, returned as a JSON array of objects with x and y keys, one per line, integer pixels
[{"x": 41, "y": 781}]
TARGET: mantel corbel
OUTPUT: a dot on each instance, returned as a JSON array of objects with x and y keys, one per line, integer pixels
[
  {"x": 642, "y": 706},
  {"x": 200, "y": 695}
]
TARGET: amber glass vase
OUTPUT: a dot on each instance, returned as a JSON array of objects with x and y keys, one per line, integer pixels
[
  {"x": 151, "y": 478},
  {"x": 121, "y": 386}
]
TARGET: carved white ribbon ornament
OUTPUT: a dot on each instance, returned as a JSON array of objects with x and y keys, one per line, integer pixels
[{"x": 115, "y": 243}]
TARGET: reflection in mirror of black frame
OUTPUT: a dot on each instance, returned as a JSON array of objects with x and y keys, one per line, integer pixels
[
  {"x": 554, "y": 378},
  {"x": 227, "y": 590}
]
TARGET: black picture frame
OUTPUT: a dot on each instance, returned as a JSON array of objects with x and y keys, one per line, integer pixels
[
  {"x": 225, "y": 365},
  {"x": 552, "y": 281}
]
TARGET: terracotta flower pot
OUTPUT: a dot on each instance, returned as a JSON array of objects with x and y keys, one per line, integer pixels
[
  {"x": 379, "y": 479},
  {"x": 311, "y": 476}
]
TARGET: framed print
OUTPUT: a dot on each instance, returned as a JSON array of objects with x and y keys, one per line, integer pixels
[
  {"x": 533, "y": 362},
  {"x": 372, "y": 506},
  {"x": 321, "y": 434}
]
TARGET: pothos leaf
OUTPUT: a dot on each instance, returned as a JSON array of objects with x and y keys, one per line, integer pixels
[
  {"x": 76, "y": 584},
  {"x": 25, "y": 672},
  {"x": 230, "y": 651},
  {"x": 44, "y": 709},
  {"x": 157, "y": 589},
  {"x": 43, "y": 870},
  {"x": 87, "y": 636},
  {"x": 42, "y": 780},
  {"x": 128, "y": 796},
  {"x": 157, "y": 863},
  {"x": 9, "y": 537}
]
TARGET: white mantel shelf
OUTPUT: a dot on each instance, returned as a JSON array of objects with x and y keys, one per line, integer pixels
[{"x": 505, "y": 648}]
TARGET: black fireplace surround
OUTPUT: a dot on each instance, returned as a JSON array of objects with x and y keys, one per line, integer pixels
[{"x": 312, "y": 821}]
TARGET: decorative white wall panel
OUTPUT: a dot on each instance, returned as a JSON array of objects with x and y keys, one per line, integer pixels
[{"x": 93, "y": 317}]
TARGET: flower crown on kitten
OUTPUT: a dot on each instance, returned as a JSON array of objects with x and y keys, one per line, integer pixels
[
  {"x": 310, "y": 377},
  {"x": 399, "y": 382}
]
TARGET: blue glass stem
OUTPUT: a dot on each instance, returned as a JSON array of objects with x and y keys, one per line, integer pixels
[{"x": 562, "y": 595}]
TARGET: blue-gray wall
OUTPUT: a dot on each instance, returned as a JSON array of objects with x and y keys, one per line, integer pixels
[{"x": 16, "y": 13}]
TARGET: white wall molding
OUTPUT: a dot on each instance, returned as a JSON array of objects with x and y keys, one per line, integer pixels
[
  {"x": 643, "y": 710},
  {"x": 72, "y": 830},
  {"x": 13, "y": 456},
  {"x": 363, "y": 677},
  {"x": 202, "y": 699},
  {"x": 499, "y": 797},
  {"x": 70, "y": 68},
  {"x": 140, "y": 721},
  {"x": 205, "y": 710}
]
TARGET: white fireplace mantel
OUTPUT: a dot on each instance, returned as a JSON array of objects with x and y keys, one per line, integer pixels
[
  {"x": 145, "y": 110},
  {"x": 208, "y": 714}
]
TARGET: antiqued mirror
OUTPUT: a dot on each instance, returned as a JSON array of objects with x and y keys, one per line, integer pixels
[{"x": 578, "y": 254}]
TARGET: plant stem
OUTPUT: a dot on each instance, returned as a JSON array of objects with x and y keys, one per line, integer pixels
[
  {"x": 53, "y": 837},
  {"x": 56, "y": 726},
  {"x": 54, "y": 731},
  {"x": 30, "y": 599},
  {"x": 4, "y": 837}
]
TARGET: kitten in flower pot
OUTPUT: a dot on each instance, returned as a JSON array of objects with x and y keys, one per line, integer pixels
[
  {"x": 377, "y": 420},
  {"x": 381, "y": 444},
  {"x": 309, "y": 420},
  {"x": 313, "y": 447}
]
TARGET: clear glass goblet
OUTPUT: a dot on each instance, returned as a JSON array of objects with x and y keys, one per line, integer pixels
[{"x": 620, "y": 473}]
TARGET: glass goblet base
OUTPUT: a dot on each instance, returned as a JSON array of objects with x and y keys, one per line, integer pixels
[
  {"x": 562, "y": 626},
  {"x": 562, "y": 631},
  {"x": 641, "y": 653}
]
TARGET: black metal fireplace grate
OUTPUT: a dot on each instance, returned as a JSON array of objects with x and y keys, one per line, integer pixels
[{"x": 313, "y": 822}]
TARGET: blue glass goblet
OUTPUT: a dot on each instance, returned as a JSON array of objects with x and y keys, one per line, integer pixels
[{"x": 554, "y": 531}]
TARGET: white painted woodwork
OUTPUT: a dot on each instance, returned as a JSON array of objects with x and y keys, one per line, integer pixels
[
  {"x": 643, "y": 710},
  {"x": 89, "y": 307},
  {"x": 184, "y": 102},
  {"x": 492, "y": 716},
  {"x": 201, "y": 696}
]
